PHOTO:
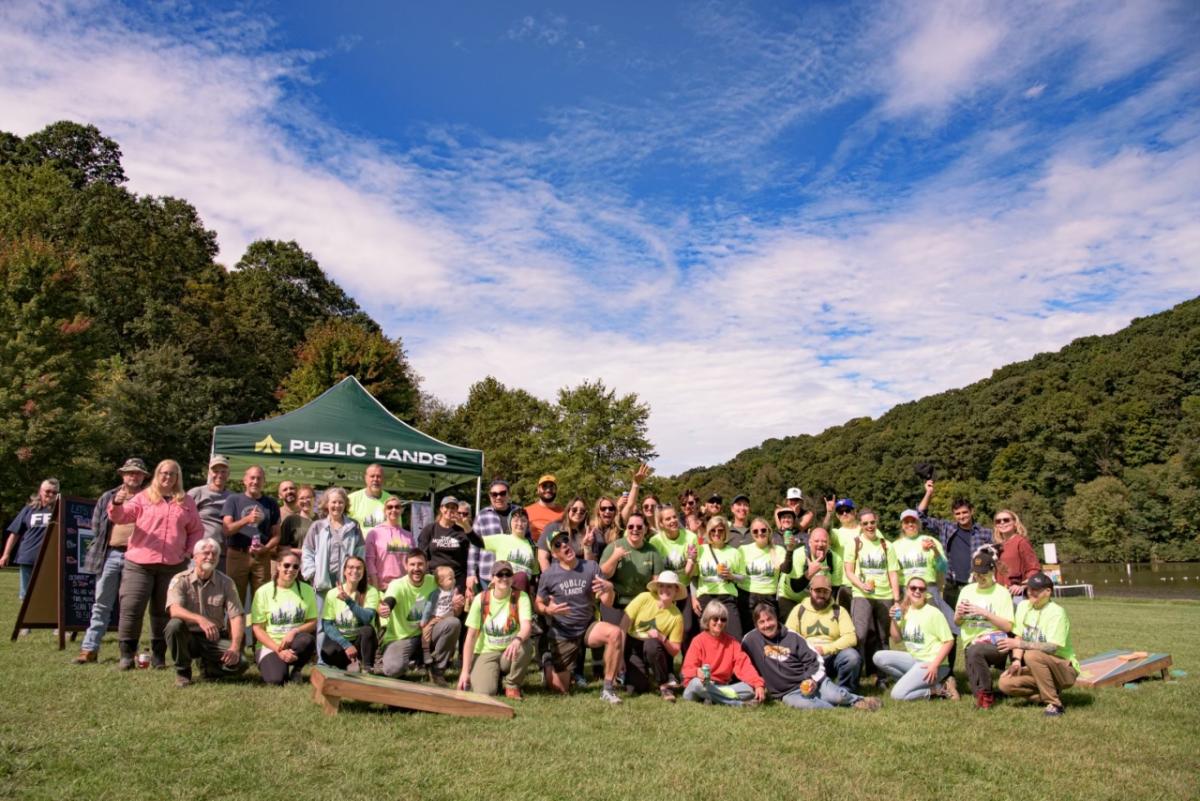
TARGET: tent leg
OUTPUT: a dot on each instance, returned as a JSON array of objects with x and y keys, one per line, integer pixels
[{"x": 478, "y": 491}]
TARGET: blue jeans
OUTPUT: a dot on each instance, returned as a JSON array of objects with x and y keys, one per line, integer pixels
[
  {"x": 830, "y": 694},
  {"x": 724, "y": 694},
  {"x": 108, "y": 582},
  {"x": 844, "y": 667},
  {"x": 909, "y": 674},
  {"x": 26, "y": 572}
]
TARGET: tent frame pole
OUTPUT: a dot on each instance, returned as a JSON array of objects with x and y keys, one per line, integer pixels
[{"x": 478, "y": 491}]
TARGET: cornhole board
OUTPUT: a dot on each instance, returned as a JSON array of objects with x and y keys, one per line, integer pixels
[
  {"x": 1121, "y": 666},
  {"x": 331, "y": 686}
]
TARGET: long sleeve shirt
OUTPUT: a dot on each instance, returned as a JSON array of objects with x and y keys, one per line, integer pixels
[
  {"x": 1021, "y": 560},
  {"x": 784, "y": 661},
  {"x": 959, "y": 544},
  {"x": 163, "y": 533},
  {"x": 724, "y": 657}
]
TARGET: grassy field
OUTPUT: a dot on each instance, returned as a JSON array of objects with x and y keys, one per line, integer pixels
[{"x": 69, "y": 732}]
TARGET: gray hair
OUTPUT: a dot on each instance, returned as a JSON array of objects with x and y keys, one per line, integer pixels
[
  {"x": 715, "y": 609},
  {"x": 205, "y": 543},
  {"x": 52, "y": 483}
]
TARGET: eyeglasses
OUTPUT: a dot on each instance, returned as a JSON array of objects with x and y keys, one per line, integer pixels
[
  {"x": 503, "y": 574},
  {"x": 635, "y": 528},
  {"x": 717, "y": 530},
  {"x": 908, "y": 521},
  {"x": 391, "y": 506},
  {"x": 867, "y": 523},
  {"x": 760, "y": 531},
  {"x": 1004, "y": 520},
  {"x": 915, "y": 588},
  {"x": 499, "y": 494},
  {"x": 289, "y": 566},
  {"x": 608, "y": 508},
  {"x": 579, "y": 510}
]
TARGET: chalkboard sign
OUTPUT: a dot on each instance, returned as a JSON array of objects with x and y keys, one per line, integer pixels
[{"x": 78, "y": 588}]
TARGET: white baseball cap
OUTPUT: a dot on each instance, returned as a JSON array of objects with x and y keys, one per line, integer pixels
[{"x": 794, "y": 493}]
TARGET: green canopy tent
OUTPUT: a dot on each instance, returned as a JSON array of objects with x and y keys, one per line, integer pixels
[{"x": 333, "y": 438}]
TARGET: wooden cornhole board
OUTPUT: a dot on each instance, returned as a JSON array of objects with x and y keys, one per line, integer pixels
[
  {"x": 1121, "y": 666},
  {"x": 331, "y": 686}
]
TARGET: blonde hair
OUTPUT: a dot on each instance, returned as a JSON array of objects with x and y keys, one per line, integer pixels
[
  {"x": 1018, "y": 526},
  {"x": 443, "y": 573},
  {"x": 613, "y": 531},
  {"x": 154, "y": 495},
  {"x": 329, "y": 493}
]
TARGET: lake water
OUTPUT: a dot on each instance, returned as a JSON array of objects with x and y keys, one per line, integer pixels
[{"x": 1141, "y": 580}]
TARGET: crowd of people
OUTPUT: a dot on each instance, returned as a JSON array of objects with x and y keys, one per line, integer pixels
[{"x": 679, "y": 599}]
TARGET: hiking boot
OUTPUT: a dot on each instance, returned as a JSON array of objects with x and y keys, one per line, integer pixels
[
  {"x": 610, "y": 697},
  {"x": 984, "y": 700},
  {"x": 85, "y": 657},
  {"x": 869, "y": 704},
  {"x": 127, "y": 650},
  {"x": 183, "y": 680},
  {"x": 667, "y": 693},
  {"x": 1054, "y": 711},
  {"x": 951, "y": 688},
  {"x": 158, "y": 654},
  {"x": 513, "y": 694},
  {"x": 439, "y": 679}
]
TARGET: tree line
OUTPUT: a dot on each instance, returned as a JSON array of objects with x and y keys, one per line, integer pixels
[{"x": 122, "y": 335}]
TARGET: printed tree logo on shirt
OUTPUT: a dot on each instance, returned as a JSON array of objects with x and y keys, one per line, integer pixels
[
  {"x": 287, "y": 614},
  {"x": 676, "y": 559},
  {"x": 345, "y": 620},
  {"x": 417, "y": 610},
  {"x": 397, "y": 545},
  {"x": 817, "y": 629},
  {"x": 1033, "y": 634},
  {"x": 914, "y": 634},
  {"x": 645, "y": 626},
  {"x": 495, "y": 626},
  {"x": 875, "y": 562},
  {"x": 761, "y": 567},
  {"x": 521, "y": 558}
]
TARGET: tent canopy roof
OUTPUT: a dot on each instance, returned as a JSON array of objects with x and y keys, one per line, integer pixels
[{"x": 333, "y": 438}]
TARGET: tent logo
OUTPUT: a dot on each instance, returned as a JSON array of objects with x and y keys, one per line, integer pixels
[{"x": 268, "y": 445}]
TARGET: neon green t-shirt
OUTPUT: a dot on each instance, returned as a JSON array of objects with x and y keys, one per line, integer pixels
[
  {"x": 875, "y": 560},
  {"x": 841, "y": 543},
  {"x": 914, "y": 560},
  {"x": 498, "y": 630},
  {"x": 516, "y": 550},
  {"x": 674, "y": 551},
  {"x": 281, "y": 609},
  {"x": 1048, "y": 624},
  {"x": 367, "y": 511},
  {"x": 405, "y": 620},
  {"x": 996, "y": 599},
  {"x": 708, "y": 582},
  {"x": 800, "y": 563},
  {"x": 645, "y": 615},
  {"x": 923, "y": 631},
  {"x": 762, "y": 567},
  {"x": 339, "y": 612}
]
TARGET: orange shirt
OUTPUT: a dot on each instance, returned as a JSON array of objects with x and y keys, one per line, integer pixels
[{"x": 540, "y": 517}]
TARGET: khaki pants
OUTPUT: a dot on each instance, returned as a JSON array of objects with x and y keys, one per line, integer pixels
[
  {"x": 245, "y": 568},
  {"x": 1040, "y": 679},
  {"x": 487, "y": 670}
]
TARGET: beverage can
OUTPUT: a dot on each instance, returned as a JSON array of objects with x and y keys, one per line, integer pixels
[
  {"x": 808, "y": 688},
  {"x": 706, "y": 673},
  {"x": 788, "y": 538},
  {"x": 897, "y": 614}
]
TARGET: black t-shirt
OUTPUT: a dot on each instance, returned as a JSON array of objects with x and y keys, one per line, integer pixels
[
  {"x": 446, "y": 547},
  {"x": 238, "y": 506}
]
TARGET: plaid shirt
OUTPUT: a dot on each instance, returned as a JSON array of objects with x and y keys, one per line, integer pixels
[
  {"x": 946, "y": 530},
  {"x": 488, "y": 523}
]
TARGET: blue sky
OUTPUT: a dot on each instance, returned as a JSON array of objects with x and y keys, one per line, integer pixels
[{"x": 764, "y": 218}]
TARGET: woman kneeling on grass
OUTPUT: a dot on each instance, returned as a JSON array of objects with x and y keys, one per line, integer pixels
[
  {"x": 923, "y": 671},
  {"x": 348, "y": 619},
  {"x": 714, "y": 659},
  {"x": 498, "y": 628},
  {"x": 285, "y": 623}
]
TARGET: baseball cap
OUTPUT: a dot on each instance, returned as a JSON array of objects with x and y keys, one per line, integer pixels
[
  {"x": 218, "y": 459},
  {"x": 737, "y": 498},
  {"x": 715, "y": 498},
  {"x": 844, "y": 503},
  {"x": 913, "y": 513},
  {"x": 820, "y": 581},
  {"x": 449, "y": 500},
  {"x": 547, "y": 479},
  {"x": 794, "y": 494},
  {"x": 1039, "y": 581},
  {"x": 983, "y": 562},
  {"x": 134, "y": 465}
]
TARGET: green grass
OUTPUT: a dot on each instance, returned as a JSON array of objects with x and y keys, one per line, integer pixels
[{"x": 71, "y": 732}]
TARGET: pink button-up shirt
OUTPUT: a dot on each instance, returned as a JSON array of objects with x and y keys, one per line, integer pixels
[{"x": 163, "y": 533}]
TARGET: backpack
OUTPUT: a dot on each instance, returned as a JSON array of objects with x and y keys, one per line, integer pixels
[
  {"x": 858, "y": 547},
  {"x": 513, "y": 597}
]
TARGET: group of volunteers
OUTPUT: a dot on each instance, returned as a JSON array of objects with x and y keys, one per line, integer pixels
[{"x": 669, "y": 598}]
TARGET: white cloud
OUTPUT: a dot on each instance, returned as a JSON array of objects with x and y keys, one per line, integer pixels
[{"x": 725, "y": 323}]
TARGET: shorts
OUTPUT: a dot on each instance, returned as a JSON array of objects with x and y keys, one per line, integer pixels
[{"x": 563, "y": 653}]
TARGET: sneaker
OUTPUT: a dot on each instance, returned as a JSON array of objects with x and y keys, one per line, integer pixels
[
  {"x": 354, "y": 667},
  {"x": 85, "y": 657},
  {"x": 667, "y": 694},
  {"x": 609, "y": 697},
  {"x": 984, "y": 700},
  {"x": 1054, "y": 711},
  {"x": 125, "y": 663},
  {"x": 513, "y": 694},
  {"x": 951, "y": 688},
  {"x": 869, "y": 704},
  {"x": 581, "y": 683},
  {"x": 182, "y": 681}
]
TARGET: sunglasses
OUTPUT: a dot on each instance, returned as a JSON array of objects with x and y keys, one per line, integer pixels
[
  {"x": 760, "y": 531},
  {"x": 500, "y": 494},
  {"x": 915, "y": 588},
  {"x": 608, "y": 508},
  {"x": 635, "y": 528},
  {"x": 393, "y": 506},
  {"x": 867, "y": 523},
  {"x": 908, "y": 521},
  {"x": 691, "y": 502},
  {"x": 719, "y": 620},
  {"x": 1004, "y": 520},
  {"x": 503, "y": 574},
  {"x": 563, "y": 543},
  {"x": 289, "y": 566}
]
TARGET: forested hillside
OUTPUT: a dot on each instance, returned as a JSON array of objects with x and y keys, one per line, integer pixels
[{"x": 1096, "y": 447}]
